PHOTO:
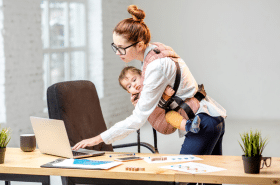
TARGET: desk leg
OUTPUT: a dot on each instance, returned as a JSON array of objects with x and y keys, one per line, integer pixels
[
  {"x": 45, "y": 180},
  {"x": 48, "y": 182},
  {"x": 66, "y": 181},
  {"x": 96, "y": 181},
  {"x": 186, "y": 183}
]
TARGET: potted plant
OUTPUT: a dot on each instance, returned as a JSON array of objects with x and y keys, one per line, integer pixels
[
  {"x": 252, "y": 146},
  {"x": 5, "y": 137}
]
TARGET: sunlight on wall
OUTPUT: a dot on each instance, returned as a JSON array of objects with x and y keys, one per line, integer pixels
[
  {"x": 95, "y": 46},
  {"x": 2, "y": 70}
]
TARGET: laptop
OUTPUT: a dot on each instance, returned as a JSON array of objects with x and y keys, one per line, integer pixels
[{"x": 52, "y": 139}]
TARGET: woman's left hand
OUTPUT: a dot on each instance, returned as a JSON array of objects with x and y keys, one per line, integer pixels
[{"x": 88, "y": 142}]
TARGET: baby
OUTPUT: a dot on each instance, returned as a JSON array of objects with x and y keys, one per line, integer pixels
[{"x": 130, "y": 78}]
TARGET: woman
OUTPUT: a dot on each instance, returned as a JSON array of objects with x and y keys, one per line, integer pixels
[{"x": 131, "y": 41}]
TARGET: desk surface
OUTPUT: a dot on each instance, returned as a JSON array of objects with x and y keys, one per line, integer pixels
[
  {"x": 18, "y": 162},
  {"x": 234, "y": 173}
]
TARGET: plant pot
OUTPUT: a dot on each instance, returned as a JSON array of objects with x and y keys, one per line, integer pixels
[
  {"x": 252, "y": 164},
  {"x": 2, "y": 155}
]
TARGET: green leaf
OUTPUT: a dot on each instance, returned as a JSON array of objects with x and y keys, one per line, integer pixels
[
  {"x": 252, "y": 143},
  {"x": 5, "y": 137}
]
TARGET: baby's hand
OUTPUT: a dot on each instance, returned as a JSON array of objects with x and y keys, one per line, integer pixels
[
  {"x": 169, "y": 91},
  {"x": 134, "y": 99}
]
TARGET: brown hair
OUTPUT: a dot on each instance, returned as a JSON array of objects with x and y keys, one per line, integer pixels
[
  {"x": 134, "y": 29},
  {"x": 125, "y": 71}
]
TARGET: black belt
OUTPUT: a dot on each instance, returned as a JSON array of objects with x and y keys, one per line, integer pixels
[{"x": 199, "y": 96}]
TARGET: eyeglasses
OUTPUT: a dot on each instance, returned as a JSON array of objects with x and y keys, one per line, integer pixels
[
  {"x": 266, "y": 162},
  {"x": 122, "y": 51}
]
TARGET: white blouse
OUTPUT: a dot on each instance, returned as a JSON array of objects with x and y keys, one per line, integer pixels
[{"x": 158, "y": 75}]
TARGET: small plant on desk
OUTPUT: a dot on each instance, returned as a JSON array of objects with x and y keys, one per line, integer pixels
[
  {"x": 5, "y": 137},
  {"x": 252, "y": 146}
]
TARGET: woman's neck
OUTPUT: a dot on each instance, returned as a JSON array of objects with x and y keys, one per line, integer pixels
[{"x": 141, "y": 54}]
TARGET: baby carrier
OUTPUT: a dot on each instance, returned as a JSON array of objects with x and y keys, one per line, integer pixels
[{"x": 187, "y": 108}]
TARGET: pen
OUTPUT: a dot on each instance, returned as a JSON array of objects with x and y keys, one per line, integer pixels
[{"x": 122, "y": 155}]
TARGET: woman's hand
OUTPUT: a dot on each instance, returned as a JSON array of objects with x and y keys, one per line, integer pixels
[
  {"x": 88, "y": 142},
  {"x": 134, "y": 99}
]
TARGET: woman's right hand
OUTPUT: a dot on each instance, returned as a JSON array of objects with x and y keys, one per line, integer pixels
[
  {"x": 134, "y": 99},
  {"x": 88, "y": 142}
]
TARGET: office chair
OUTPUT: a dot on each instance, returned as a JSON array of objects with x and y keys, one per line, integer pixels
[{"x": 78, "y": 105}]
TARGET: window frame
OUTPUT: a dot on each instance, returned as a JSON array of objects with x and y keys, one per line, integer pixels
[{"x": 67, "y": 49}]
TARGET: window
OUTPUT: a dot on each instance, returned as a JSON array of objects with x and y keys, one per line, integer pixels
[{"x": 64, "y": 31}]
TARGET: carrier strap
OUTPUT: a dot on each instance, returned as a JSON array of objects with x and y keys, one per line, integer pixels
[
  {"x": 184, "y": 106},
  {"x": 181, "y": 104},
  {"x": 177, "y": 79}
]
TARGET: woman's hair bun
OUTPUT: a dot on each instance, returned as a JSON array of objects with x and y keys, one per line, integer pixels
[{"x": 137, "y": 14}]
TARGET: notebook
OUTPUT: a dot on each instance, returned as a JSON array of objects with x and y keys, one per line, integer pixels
[
  {"x": 52, "y": 139},
  {"x": 81, "y": 164}
]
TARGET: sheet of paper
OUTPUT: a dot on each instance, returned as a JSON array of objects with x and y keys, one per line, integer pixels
[
  {"x": 193, "y": 168},
  {"x": 84, "y": 163},
  {"x": 179, "y": 158}
]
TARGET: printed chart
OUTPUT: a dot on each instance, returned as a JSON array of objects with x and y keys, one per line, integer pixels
[
  {"x": 166, "y": 159},
  {"x": 193, "y": 168}
]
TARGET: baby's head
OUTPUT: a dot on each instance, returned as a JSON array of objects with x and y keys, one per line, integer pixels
[{"x": 130, "y": 78}]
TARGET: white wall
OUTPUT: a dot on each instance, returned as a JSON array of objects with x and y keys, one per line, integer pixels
[
  {"x": 115, "y": 104},
  {"x": 21, "y": 61},
  {"x": 23, "y": 65},
  {"x": 2, "y": 70},
  {"x": 232, "y": 47},
  {"x": 95, "y": 45}
]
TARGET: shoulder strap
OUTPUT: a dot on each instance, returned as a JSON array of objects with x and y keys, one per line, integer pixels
[
  {"x": 179, "y": 101},
  {"x": 161, "y": 51},
  {"x": 177, "y": 79}
]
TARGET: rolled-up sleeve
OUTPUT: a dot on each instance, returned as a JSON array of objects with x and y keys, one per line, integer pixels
[{"x": 155, "y": 83}]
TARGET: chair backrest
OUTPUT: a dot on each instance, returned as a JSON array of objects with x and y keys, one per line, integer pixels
[{"x": 77, "y": 104}]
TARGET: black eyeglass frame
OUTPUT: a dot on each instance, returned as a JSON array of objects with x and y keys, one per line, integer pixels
[
  {"x": 265, "y": 163},
  {"x": 115, "y": 48}
]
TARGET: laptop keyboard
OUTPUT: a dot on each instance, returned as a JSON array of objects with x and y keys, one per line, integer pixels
[{"x": 78, "y": 153}]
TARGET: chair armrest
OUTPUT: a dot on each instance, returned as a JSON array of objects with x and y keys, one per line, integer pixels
[{"x": 147, "y": 145}]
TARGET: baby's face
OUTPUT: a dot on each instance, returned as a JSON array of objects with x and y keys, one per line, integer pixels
[{"x": 131, "y": 82}]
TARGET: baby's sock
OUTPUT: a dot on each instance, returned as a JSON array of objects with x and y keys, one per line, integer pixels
[{"x": 174, "y": 119}]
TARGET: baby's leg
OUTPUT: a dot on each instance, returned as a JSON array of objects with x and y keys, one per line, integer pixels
[{"x": 177, "y": 121}]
